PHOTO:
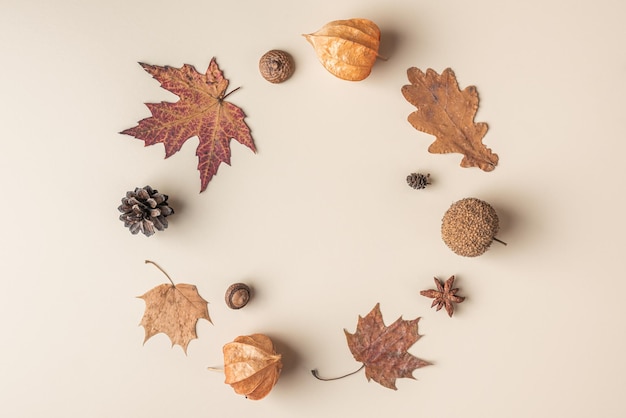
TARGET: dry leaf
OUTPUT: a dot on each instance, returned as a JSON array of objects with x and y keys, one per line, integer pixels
[
  {"x": 383, "y": 350},
  {"x": 173, "y": 310},
  {"x": 347, "y": 48},
  {"x": 251, "y": 365},
  {"x": 448, "y": 113},
  {"x": 201, "y": 111}
]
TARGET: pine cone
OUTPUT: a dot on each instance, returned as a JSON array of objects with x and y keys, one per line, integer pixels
[
  {"x": 145, "y": 210},
  {"x": 418, "y": 181}
]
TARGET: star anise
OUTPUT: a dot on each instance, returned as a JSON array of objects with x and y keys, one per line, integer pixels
[{"x": 445, "y": 295}]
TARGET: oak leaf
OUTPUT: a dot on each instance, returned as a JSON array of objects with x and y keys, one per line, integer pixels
[
  {"x": 173, "y": 309},
  {"x": 251, "y": 365},
  {"x": 448, "y": 113},
  {"x": 201, "y": 111},
  {"x": 383, "y": 350}
]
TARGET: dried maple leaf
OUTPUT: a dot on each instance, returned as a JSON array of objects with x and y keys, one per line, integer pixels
[
  {"x": 201, "y": 111},
  {"x": 173, "y": 310},
  {"x": 448, "y": 113},
  {"x": 445, "y": 295},
  {"x": 383, "y": 350}
]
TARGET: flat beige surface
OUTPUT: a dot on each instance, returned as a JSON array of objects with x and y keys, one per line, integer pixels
[{"x": 320, "y": 221}]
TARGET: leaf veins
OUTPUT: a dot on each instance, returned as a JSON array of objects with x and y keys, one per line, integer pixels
[
  {"x": 173, "y": 309},
  {"x": 201, "y": 111},
  {"x": 448, "y": 113},
  {"x": 383, "y": 350}
]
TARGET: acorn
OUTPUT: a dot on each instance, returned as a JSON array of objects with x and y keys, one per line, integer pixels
[
  {"x": 469, "y": 227},
  {"x": 276, "y": 66},
  {"x": 237, "y": 295}
]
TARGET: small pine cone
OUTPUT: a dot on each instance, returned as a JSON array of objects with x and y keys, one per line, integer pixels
[
  {"x": 145, "y": 210},
  {"x": 418, "y": 181}
]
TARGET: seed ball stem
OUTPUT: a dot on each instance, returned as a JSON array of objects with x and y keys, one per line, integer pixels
[{"x": 500, "y": 241}]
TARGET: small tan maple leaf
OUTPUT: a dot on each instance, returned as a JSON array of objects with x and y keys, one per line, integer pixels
[
  {"x": 448, "y": 113},
  {"x": 201, "y": 111},
  {"x": 444, "y": 296},
  {"x": 173, "y": 309},
  {"x": 383, "y": 350}
]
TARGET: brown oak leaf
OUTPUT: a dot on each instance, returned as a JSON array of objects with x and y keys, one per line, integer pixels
[
  {"x": 383, "y": 350},
  {"x": 201, "y": 111},
  {"x": 444, "y": 296},
  {"x": 173, "y": 310},
  {"x": 448, "y": 113}
]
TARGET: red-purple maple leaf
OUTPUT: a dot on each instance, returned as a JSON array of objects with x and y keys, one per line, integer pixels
[
  {"x": 383, "y": 350},
  {"x": 201, "y": 111}
]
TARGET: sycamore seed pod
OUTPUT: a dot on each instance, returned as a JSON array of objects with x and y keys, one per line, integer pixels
[
  {"x": 469, "y": 227},
  {"x": 347, "y": 48}
]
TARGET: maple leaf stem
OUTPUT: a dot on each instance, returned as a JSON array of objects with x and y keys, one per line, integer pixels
[
  {"x": 229, "y": 93},
  {"x": 215, "y": 369},
  {"x": 501, "y": 242},
  {"x": 326, "y": 379},
  {"x": 162, "y": 271}
]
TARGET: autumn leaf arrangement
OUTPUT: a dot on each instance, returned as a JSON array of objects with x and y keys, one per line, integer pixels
[
  {"x": 251, "y": 364},
  {"x": 348, "y": 49}
]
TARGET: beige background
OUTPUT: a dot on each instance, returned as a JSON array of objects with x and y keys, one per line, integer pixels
[{"x": 320, "y": 221}]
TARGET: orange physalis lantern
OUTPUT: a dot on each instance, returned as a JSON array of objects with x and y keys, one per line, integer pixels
[
  {"x": 251, "y": 365},
  {"x": 347, "y": 48}
]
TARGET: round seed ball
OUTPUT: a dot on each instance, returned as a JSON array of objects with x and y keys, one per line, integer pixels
[
  {"x": 469, "y": 226},
  {"x": 276, "y": 66}
]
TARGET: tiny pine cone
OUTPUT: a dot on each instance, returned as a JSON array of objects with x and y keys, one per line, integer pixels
[{"x": 418, "y": 180}]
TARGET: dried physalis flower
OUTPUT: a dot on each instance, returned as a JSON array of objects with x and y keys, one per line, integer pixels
[
  {"x": 251, "y": 365},
  {"x": 347, "y": 48}
]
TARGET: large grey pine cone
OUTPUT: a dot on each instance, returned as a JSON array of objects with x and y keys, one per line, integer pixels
[{"x": 145, "y": 210}]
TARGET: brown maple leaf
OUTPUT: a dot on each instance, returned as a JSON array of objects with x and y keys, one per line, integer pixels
[
  {"x": 201, "y": 111},
  {"x": 448, "y": 113},
  {"x": 444, "y": 296},
  {"x": 173, "y": 310},
  {"x": 383, "y": 350}
]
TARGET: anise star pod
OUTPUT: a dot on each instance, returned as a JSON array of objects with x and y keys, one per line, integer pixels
[
  {"x": 445, "y": 296},
  {"x": 251, "y": 365}
]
